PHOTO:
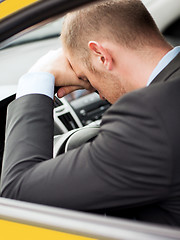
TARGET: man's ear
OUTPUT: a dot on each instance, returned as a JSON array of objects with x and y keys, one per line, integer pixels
[{"x": 103, "y": 54}]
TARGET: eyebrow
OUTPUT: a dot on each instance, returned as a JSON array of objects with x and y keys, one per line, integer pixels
[{"x": 83, "y": 78}]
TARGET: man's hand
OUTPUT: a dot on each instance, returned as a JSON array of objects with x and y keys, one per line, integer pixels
[{"x": 56, "y": 63}]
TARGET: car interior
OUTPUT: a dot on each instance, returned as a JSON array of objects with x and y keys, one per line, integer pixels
[{"x": 76, "y": 110}]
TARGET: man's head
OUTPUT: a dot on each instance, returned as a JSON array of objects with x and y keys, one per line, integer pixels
[{"x": 101, "y": 31}]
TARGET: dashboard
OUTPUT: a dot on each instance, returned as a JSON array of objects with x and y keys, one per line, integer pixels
[{"x": 78, "y": 109}]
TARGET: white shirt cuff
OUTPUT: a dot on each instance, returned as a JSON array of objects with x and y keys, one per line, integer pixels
[{"x": 36, "y": 83}]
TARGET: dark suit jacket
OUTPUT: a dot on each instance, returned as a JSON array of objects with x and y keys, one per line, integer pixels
[{"x": 131, "y": 169}]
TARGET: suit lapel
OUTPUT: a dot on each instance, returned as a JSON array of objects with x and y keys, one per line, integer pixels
[{"x": 170, "y": 72}]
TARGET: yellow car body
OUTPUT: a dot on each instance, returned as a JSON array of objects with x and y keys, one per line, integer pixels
[
  {"x": 8, "y": 7},
  {"x": 17, "y": 231}
]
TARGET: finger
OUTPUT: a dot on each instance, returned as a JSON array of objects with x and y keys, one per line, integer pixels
[{"x": 63, "y": 91}]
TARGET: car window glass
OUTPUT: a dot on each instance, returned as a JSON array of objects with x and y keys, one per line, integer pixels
[
  {"x": 17, "y": 58},
  {"x": 23, "y": 52}
]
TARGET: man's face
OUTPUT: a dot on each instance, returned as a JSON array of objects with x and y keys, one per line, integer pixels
[{"x": 106, "y": 83}]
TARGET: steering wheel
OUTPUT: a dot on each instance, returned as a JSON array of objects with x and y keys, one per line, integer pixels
[{"x": 74, "y": 139}]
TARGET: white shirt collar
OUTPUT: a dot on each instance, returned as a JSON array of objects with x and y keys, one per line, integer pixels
[{"x": 163, "y": 63}]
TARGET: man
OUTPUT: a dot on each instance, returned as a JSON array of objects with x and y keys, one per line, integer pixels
[{"x": 131, "y": 169}]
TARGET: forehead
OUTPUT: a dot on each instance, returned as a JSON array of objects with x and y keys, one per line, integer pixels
[{"x": 76, "y": 63}]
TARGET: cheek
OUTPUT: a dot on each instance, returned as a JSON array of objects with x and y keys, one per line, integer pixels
[
  {"x": 95, "y": 78},
  {"x": 96, "y": 83}
]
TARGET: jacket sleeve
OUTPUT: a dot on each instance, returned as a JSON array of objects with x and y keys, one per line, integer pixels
[{"x": 126, "y": 165}]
